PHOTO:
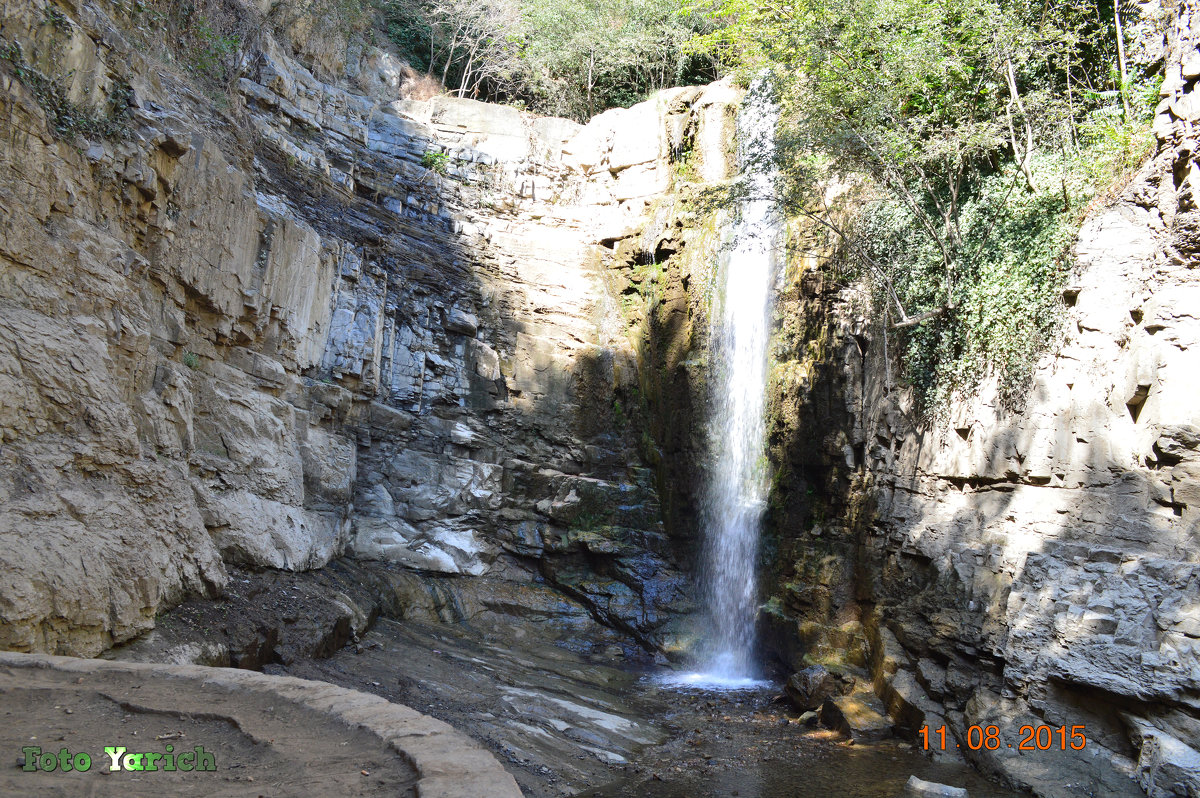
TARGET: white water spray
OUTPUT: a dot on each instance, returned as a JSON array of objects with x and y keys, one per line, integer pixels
[{"x": 737, "y": 487}]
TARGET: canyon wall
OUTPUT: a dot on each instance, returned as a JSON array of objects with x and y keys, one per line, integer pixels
[
  {"x": 304, "y": 315},
  {"x": 269, "y": 323},
  {"x": 1037, "y": 565}
]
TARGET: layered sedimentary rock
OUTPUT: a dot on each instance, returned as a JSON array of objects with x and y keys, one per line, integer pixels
[
  {"x": 1037, "y": 565},
  {"x": 313, "y": 318},
  {"x": 316, "y": 318}
]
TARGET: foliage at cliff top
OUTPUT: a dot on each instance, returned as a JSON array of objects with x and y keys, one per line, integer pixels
[
  {"x": 983, "y": 127},
  {"x": 570, "y": 58},
  {"x": 979, "y": 130}
]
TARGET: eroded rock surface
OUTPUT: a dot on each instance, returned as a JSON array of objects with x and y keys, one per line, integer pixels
[{"x": 278, "y": 333}]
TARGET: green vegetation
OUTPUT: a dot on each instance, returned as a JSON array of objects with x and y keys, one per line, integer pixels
[
  {"x": 973, "y": 134},
  {"x": 435, "y": 161},
  {"x": 56, "y": 19},
  {"x": 191, "y": 360},
  {"x": 618, "y": 414},
  {"x": 569, "y": 58},
  {"x": 969, "y": 138},
  {"x": 211, "y": 52},
  {"x": 206, "y": 37},
  {"x": 582, "y": 56},
  {"x": 68, "y": 118},
  {"x": 1007, "y": 294}
]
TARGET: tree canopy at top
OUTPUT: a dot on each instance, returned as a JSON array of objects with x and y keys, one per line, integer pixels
[
  {"x": 984, "y": 127},
  {"x": 570, "y": 58}
]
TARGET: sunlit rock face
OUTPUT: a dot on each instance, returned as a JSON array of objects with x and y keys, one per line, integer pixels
[
  {"x": 1033, "y": 566},
  {"x": 324, "y": 320},
  {"x": 287, "y": 330}
]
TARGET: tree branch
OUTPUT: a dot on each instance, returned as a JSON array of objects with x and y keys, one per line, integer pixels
[
  {"x": 1022, "y": 158},
  {"x": 915, "y": 320}
]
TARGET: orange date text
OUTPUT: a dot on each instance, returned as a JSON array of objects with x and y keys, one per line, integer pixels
[{"x": 1029, "y": 738}]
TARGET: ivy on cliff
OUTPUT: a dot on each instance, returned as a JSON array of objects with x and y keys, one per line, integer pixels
[
  {"x": 68, "y": 118},
  {"x": 978, "y": 130}
]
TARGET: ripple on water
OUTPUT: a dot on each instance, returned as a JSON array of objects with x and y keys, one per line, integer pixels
[{"x": 709, "y": 681}]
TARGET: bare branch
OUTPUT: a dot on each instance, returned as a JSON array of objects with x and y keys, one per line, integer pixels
[
  {"x": 1023, "y": 156},
  {"x": 915, "y": 320}
]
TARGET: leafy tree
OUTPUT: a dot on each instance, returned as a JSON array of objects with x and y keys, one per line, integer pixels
[
  {"x": 565, "y": 57},
  {"x": 908, "y": 91},
  {"x": 588, "y": 55},
  {"x": 471, "y": 46},
  {"x": 478, "y": 37},
  {"x": 970, "y": 118}
]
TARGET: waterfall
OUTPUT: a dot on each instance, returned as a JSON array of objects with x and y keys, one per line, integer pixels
[{"x": 737, "y": 482}]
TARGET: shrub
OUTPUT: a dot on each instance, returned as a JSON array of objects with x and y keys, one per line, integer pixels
[{"x": 435, "y": 161}]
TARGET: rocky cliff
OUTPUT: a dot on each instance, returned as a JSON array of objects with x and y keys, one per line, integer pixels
[
  {"x": 1037, "y": 565},
  {"x": 272, "y": 321}
]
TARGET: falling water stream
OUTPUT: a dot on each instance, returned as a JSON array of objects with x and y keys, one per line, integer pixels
[
  {"x": 732, "y": 737},
  {"x": 736, "y": 490},
  {"x": 737, "y": 485},
  {"x": 569, "y": 723}
]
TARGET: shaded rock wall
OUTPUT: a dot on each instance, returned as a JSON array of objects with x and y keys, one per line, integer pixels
[
  {"x": 1037, "y": 566},
  {"x": 270, "y": 328}
]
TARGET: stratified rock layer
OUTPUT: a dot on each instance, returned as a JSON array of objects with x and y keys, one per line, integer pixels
[{"x": 314, "y": 323}]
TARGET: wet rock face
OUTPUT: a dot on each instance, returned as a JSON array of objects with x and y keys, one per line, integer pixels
[
  {"x": 1035, "y": 567},
  {"x": 282, "y": 333}
]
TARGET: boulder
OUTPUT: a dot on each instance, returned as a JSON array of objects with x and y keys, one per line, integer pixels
[
  {"x": 461, "y": 322},
  {"x": 859, "y": 716},
  {"x": 919, "y": 788},
  {"x": 1167, "y": 766},
  {"x": 809, "y": 688}
]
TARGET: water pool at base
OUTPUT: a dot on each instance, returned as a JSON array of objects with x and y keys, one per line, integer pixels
[
  {"x": 567, "y": 725},
  {"x": 710, "y": 681},
  {"x": 739, "y": 740}
]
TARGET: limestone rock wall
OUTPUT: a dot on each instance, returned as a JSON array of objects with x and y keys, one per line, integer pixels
[
  {"x": 308, "y": 319},
  {"x": 1030, "y": 567}
]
